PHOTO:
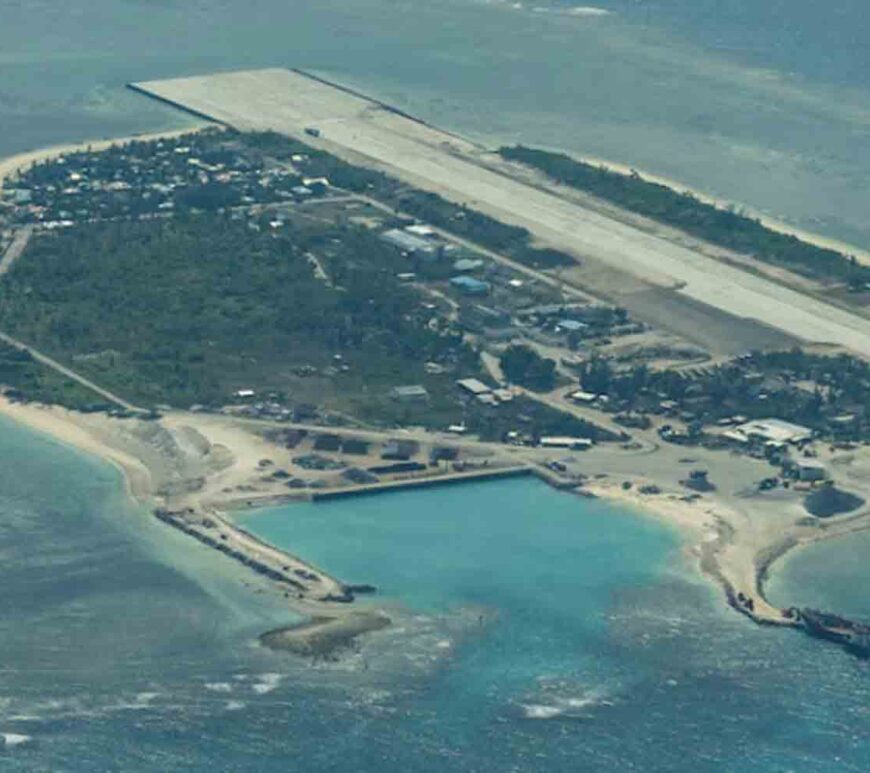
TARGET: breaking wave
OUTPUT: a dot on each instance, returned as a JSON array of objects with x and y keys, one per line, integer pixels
[
  {"x": 267, "y": 683},
  {"x": 589, "y": 11},
  {"x": 552, "y": 705},
  {"x": 11, "y": 740},
  {"x": 577, "y": 10}
]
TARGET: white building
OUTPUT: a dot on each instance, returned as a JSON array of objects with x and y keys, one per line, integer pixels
[
  {"x": 574, "y": 443},
  {"x": 579, "y": 396},
  {"x": 770, "y": 431},
  {"x": 473, "y": 386},
  {"x": 810, "y": 470}
]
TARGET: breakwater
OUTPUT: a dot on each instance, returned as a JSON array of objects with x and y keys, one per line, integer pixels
[{"x": 303, "y": 582}]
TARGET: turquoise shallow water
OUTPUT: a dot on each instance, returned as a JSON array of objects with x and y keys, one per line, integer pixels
[
  {"x": 533, "y": 631},
  {"x": 828, "y": 575}
]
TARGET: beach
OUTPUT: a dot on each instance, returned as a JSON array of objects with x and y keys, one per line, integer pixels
[
  {"x": 11, "y": 165},
  {"x": 177, "y": 469},
  {"x": 805, "y": 235},
  {"x": 194, "y": 469}
]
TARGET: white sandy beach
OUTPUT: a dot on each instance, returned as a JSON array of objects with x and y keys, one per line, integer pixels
[
  {"x": 203, "y": 462},
  {"x": 11, "y": 165}
]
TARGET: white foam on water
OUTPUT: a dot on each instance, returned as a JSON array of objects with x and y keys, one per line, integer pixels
[
  {"x": 267, "y": 683},
  {"x": 587, "y": 10},
  {"x": 235, "y": 705},
  {"x": 219, "y": 686},
  {"x": 540, "y": 711},
  {"x": 10, "y": 740},
  {"x": 554, "y": 704}
]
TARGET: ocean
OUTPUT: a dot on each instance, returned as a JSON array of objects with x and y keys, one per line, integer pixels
[
  {"x": 533, "y": 630},
  {"x": 760, "y": 102}
]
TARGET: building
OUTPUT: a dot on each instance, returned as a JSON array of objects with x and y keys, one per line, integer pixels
[
  {"x": 503, "y": 395},
  {"x": 409, "y": 393},
  {"x": 571, "y": 326},
  {"x": 574, "y": 443},
  {"x": 466, "y": 265},
  {"x": 410, "y": 243},
  {"x": 473, "y": 386},
  {"x": 770, "y": 431},
  {"x": 810, "y": 470},
  {"x": 469, "y": 285},
  {"x": 399, "y": 450}
]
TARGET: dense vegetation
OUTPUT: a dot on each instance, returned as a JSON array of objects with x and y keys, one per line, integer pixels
[
  {"x": 828, "y": 394},
  {"x": 25, "y": 378},
  {"x": 524, "y": 366},
  {"x": 428, "y": 207},
  {"x": 720, "y": 226},
  {"x": 532, "y": 421},
  {"x": 187, "y": 310}
]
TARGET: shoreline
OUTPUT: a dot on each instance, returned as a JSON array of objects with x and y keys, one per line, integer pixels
[
  {"x": 307, "y": 589},
  {"x": 196, "y": 498},
  {"x": 774, "y": 224},
  {"x": 707, "y": 531},
  {"x": 705, "y": 535},
  {"x": 11, "y": 165}
]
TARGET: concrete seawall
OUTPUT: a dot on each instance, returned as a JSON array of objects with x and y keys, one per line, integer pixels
[{"x": 413, "y": 483}]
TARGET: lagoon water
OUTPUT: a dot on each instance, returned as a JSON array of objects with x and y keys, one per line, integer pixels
[
  {"x": 827, "y": 575},
  {"x": 533, "y": 631}
]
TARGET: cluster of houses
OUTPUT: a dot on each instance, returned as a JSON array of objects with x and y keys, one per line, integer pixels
[
  {"x": 579, "y": 320},
  {"x": 471, "y": 387},
  {"x": 422, "y": 242},
  {"x": 149, "y": 179}
]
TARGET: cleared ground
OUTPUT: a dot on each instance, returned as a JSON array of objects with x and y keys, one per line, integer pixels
[{"x": 366, "y": 132}]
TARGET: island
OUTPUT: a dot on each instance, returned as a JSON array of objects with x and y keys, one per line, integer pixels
[{"x": 249, "y": 314}]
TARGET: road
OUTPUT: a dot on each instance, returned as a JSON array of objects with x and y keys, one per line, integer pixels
[
  {"x": 13, "y": 252},
  {"x": 69, "y": 373},
  {"x": 16, "y": 248}
]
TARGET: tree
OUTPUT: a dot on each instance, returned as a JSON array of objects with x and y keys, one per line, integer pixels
[{"x": 523, "y": 365}]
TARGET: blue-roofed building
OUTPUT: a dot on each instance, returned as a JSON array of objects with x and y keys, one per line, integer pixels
[{"x": 469, "y": 285}]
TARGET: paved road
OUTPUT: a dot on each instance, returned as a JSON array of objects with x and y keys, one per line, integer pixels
[{"x": 18, "y": 245}]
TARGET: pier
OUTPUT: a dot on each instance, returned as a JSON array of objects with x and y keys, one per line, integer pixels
[{"x": 422, "y": 482}]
